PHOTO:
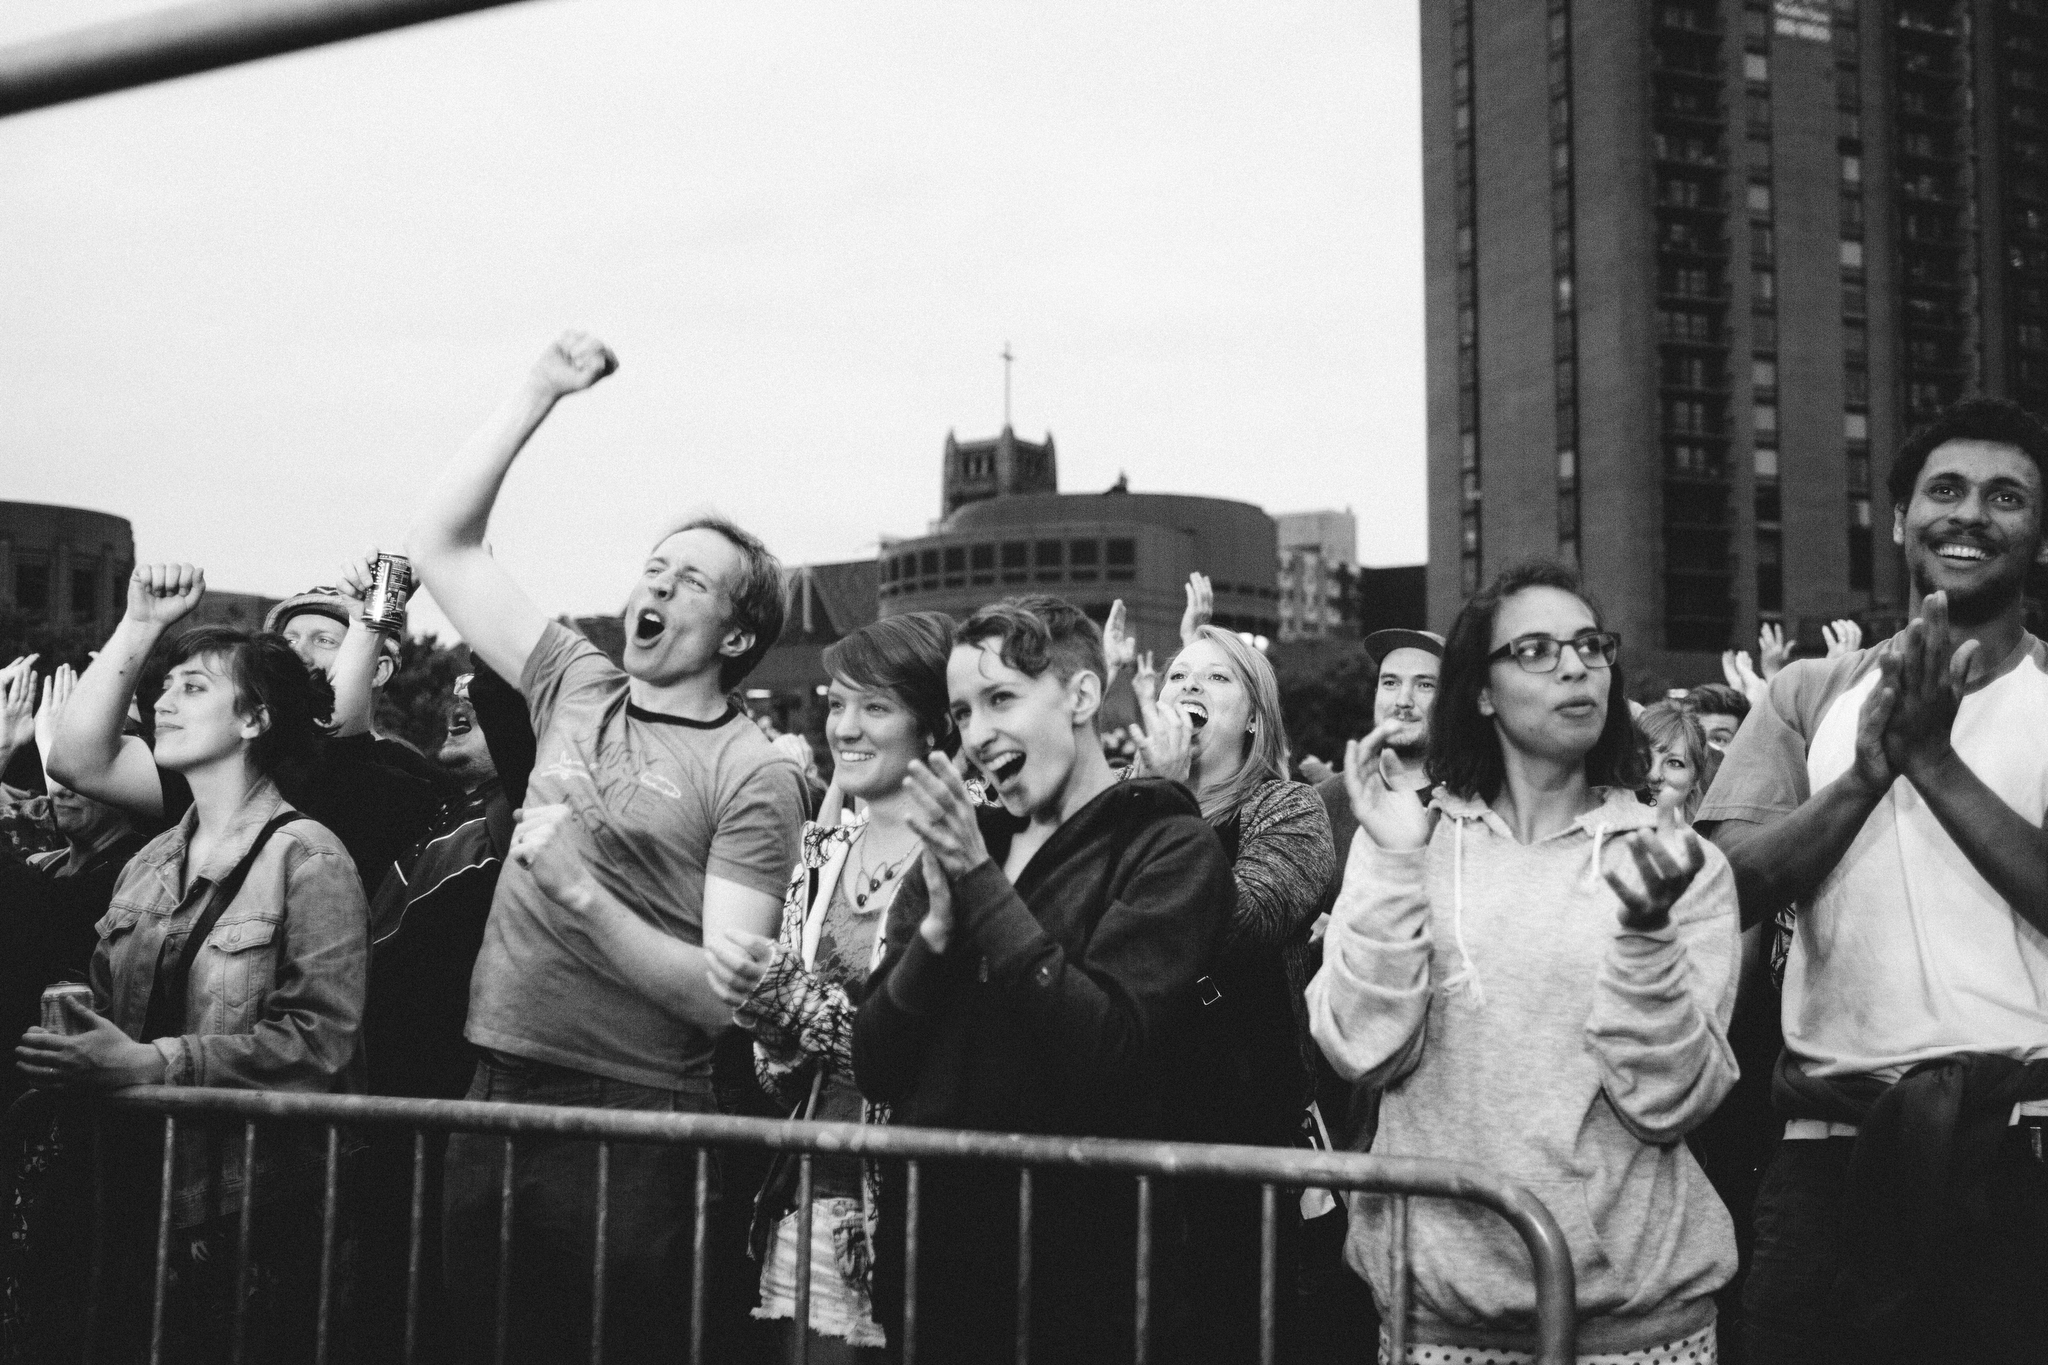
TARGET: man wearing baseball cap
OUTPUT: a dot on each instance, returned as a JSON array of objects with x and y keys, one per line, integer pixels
[{"x": 325, "y": 628}]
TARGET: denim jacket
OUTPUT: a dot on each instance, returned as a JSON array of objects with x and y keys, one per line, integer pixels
[{"x": 275, "y": 997}]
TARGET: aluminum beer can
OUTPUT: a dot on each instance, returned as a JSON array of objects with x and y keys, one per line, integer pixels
[
  {"x": 55, "y": 1017},
  {"x": 390, "y": 586}
]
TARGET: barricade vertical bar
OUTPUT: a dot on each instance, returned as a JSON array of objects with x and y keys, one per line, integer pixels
[
  {"x": 238, "y": 1342},
  {"x": 910, "y": 1263},
  {"x": 1141, "y": 1348},
  {"x": 1023, "y": 1265},
  {"x": 1397, "y": 1301},
  {"x": 163, "y": 1242},
  {"x": 804, "y": 1219},
  {"x": 698, "y": 1242},
  {"x": 1269, "y": 1268},
  {"x": 504, "y": 1316},
  {"x": 329, "y": 1211},
  {"x": 413, "y": 1253},
  {"x": 604, "y": 1215},
  {"x": 96, "y": 1277}
]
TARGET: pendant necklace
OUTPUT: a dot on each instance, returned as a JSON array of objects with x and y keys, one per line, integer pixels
[{"x": 874, "y": 880}]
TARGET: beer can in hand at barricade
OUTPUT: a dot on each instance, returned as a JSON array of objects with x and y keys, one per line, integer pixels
[
  {"x": 390, "y": 586},
  {"x": 56, "y": 1018}
]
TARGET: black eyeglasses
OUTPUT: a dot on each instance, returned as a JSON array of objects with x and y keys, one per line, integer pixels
[{"x": 1539, "y": 653}]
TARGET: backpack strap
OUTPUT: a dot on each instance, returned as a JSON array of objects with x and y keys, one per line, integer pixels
[{"x": 167, "y": 1000}]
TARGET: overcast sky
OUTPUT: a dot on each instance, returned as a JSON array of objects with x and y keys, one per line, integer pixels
[{"x": 251, "y": 311}]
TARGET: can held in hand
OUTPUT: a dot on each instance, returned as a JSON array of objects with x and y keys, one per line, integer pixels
[
  {"x": 390, "y": 586},
  {"x": 55, "y": 1018}
]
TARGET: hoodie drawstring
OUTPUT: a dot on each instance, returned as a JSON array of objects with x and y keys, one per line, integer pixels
[
  {"x": 1593, "y": 868},
  {"x": 1466, "y": 978}
]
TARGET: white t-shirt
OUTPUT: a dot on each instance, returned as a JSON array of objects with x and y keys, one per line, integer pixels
[{"x": 1905, "y": 952}]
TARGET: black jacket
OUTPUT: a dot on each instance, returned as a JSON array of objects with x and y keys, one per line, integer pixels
[
  {"x": 1053, "y": 1008},
  {"x": 1061, "y": 1006}
]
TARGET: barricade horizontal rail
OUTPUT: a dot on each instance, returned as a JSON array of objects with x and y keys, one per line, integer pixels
[{"x": 1273, "y": 1169}]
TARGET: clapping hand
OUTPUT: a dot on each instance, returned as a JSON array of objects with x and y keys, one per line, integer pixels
[
  {"x": 1843, "y": 637},
  {"x": 937, "y": 926},
  {"x": 1394, "y": 820},
  {"x": 1166, "y": 745},
  {"x": 1742, "y": 675},
  {"x": 575, "y": 362},
  {"x": 1145, "y": 680},
  {"x": 1201, "y": 606},
  {"x": 163, "y": 594},
  {"x": 1119, "y": 647},
  {"x": 57, "y": 689},
  {"x": 1772, "y": 652},
  {"x": 942, "y": 815},
  {"x": 18, "y": 703},
  {"x": 1928, "y": 670},
  {"x": 1665, "y": 861}
]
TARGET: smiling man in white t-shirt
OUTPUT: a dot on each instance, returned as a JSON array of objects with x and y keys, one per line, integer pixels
[{"x": 1895, "y": 797}]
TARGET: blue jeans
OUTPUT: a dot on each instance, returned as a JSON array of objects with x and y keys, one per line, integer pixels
[{"x": 650, "y": 1219}]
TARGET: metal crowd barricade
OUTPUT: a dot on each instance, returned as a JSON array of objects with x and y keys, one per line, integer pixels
[{"x": 1273, "y": 1169}]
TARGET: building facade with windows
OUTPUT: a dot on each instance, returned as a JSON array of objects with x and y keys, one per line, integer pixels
[
  {"x": 64, "y": 566},
  {"x": 1696, "y": 268},
  {"x": 1090, "y": 548},
  {"x": 1318, "y": 570}
]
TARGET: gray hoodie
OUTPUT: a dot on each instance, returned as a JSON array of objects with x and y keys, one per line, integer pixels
[{"x": 1489, "y": 987}]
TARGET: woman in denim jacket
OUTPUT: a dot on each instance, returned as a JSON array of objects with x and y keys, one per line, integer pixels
[{"x": 275, "y": 993}]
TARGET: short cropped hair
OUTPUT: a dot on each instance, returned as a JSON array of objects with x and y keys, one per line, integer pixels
[
  {"x": 1718, "y": 699},
  {"x": 755, "y": 595},
  {"x": 1039, "y": 632},
  {"x": 1464, "y": 750},
  {"x": 904, "y": 656},
  {"x": 268, "y": 678},
  {"x": 1973, "y": 419}
]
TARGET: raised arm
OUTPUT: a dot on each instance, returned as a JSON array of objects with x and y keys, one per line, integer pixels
[
  {"x": 1368, "y": 1007},
  {"x": 356, "y": 663},
  {"x": 89, "y": 754},
  {"x": 495, "y": 617},
  {"x": 17, "y": 707}
]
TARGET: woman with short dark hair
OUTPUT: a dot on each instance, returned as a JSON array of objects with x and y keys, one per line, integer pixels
[
  {"x": 233, "y": 956},
  {"x": 886, "y": 708},
  {"x": 1542, "y": 984}
]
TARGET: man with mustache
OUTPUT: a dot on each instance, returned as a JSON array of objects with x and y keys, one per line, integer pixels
[{"x": 1894, "y": 797}]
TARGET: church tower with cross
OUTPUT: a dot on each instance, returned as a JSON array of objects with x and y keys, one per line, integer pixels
[{"x": 999, "y": 468}]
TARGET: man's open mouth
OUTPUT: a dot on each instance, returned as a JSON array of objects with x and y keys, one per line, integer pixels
[{"x": 647, "y": 627}]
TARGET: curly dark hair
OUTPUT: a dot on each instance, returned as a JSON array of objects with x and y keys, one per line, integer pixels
[
  {"x": 270, "y": 681},
  {"x": 1464, "y": 749},
  {"x": 1974, "y": 419},
  {"x": 1039, "y": 631}
]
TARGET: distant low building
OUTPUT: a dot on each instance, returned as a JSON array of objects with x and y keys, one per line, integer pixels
[{"x": 64, "y": 567}]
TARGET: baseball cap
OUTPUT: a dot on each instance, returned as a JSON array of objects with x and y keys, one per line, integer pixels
[
  {"x": 1381, "y": 643},
  {"x": 323, "y": 601}
]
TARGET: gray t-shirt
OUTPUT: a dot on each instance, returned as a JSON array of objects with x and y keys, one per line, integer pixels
[{"x": 663, "y": 802}]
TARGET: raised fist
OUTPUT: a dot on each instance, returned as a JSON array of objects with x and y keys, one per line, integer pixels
[
  {"x": 575, "y": 362},
  {"x": 164, "y": 594}
]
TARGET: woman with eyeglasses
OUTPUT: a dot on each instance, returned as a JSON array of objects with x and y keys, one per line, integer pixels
[{"x": 1541, "y": 982}]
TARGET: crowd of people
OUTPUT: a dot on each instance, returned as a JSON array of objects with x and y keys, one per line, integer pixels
[{"x": 1748, "y": 985}]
